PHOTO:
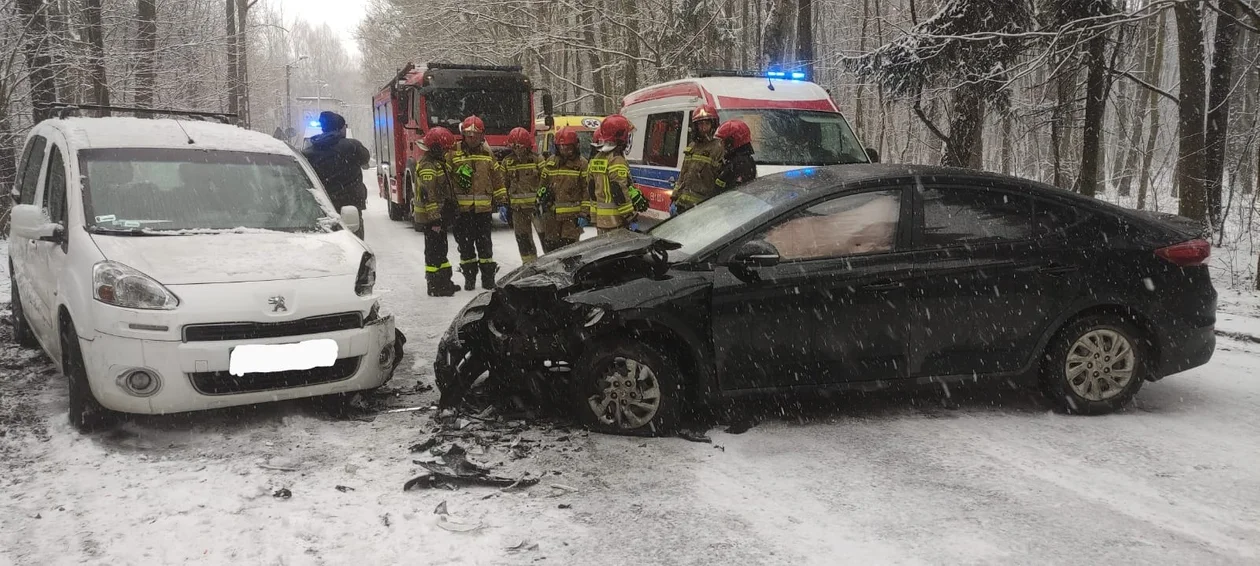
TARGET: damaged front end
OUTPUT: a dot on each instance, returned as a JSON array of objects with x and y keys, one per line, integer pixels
[{"x": 528, "y": 332}]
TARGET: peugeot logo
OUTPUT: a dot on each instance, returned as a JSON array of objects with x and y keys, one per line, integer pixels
[{"x": 277, "y": 304}]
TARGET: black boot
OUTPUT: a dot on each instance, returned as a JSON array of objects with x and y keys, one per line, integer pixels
[
  {"x": 440, "y": 286},
  {"x": 470, "y": 277},
  {"x": 487, "y": 274}
]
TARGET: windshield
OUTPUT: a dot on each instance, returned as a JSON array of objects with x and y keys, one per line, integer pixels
[
  {"x": 501, "y": 110},
  {"x": 707, "y": 223},
  {"x": 800, "y": 137},
  {"x": 167, "y": 190}
]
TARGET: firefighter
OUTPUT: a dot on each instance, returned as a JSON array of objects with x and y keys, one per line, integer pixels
[
  {"x": 479, "y": 190},
  {"x": 609, "y": 184},
  {"x": 701, "y": 162},
  {"x": 433, "y": 205},
  {"x": 738, "y": 166},
  {"x": 522, "y": 171},
  {"x": 563, "y": 199}
]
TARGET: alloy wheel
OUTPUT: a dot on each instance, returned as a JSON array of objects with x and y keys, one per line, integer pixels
[{"x": 1100, "y": 364}]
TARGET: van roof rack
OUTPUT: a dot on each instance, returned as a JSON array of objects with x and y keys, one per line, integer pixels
[
  {"x": 509, "y": 68},
  {"x": 62, "y": 110},
  {"x": 702, "y": 73}
]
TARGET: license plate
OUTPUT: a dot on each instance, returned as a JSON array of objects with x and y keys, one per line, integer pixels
[{"x": 271, "y": 358}]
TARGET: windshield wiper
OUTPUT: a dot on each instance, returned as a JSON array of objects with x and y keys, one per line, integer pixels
[{"x": 124, "y": 231}]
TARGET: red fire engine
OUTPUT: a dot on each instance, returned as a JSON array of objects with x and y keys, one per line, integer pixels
[{"x": 443, "y": 94}]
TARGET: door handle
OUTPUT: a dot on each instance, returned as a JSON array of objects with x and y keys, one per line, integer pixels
[{"x": 884, "y": 286}]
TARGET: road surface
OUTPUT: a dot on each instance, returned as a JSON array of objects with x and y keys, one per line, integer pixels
[{"x": 857, "y": 479}]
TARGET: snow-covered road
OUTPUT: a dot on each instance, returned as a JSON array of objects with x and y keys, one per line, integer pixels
[{"x": 865, "y": 480}]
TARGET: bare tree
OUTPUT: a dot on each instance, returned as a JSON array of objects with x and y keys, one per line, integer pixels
[
  {"x": 146, "y": 44},
  {"x": 1191, "y": 111}
]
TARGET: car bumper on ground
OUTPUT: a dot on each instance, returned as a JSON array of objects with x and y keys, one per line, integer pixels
[{"x": 194, "y": 376}]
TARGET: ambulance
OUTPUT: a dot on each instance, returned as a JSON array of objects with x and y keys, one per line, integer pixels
[
  {"x": 546, "y": 136},
  {"x": 794, "y": 125}
]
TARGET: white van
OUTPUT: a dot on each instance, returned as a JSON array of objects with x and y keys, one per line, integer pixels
[
  {"x": 172, "y": 265},
  {"x": 794, "y": 124}
]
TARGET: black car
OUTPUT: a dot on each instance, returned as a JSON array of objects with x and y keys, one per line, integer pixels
[{"x": 858, "y": 277}]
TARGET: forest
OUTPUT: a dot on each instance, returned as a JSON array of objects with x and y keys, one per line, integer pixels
[{"x": 1151, "y": 104}]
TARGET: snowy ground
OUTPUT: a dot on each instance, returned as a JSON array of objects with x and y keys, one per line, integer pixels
[{"x": 857, "y": 479}]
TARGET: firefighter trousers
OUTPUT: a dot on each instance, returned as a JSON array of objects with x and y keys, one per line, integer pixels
[
  {"x": 523, "y": 225},
  {"x": 437, "y": 266},
  {"x": 476, "y": 249}
]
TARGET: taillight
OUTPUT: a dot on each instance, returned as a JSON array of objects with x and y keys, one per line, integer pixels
[{"x": 1187, "y": 254}]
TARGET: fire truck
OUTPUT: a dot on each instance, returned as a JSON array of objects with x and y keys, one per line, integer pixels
[{"x": 443, "y": 94}]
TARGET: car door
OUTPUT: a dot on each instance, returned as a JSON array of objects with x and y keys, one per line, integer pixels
[
  {"x": 986, "y": 286},
  {"x": 833, "y": 310},
  {"x": 49, "y": 257},
  {"x": 24, "y": 259}
]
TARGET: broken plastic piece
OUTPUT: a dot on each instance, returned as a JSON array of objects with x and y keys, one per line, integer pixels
[
  {"x": 456, "y": 527},
  {"x": 282, "y": 493}
]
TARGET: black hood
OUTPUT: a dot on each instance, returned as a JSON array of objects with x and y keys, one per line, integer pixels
[
  {"x": 326, "y": 140},
  {"x": 560, "y": 267}
]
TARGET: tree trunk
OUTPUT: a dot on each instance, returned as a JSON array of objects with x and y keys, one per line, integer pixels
[
  {"x": 859, "y": 117},
  {"x": 1157, "y": 69},
  {"x": 1190, "y": 115},
  {"x": 1008, "y": 155},
  {"x": 96, "y": 53},
  {"x": 43, "y": 85},
  {"x": 1060, "y": 126},
  {"x": 1095, "y": 114},
  {"x": 805, "y": 36},
  {"x": 1215, "y": 134},
  {"x": 966, "y": 130},
  {"x": 631, "y": 8},
  {"x": 242, "y": 59},
  {"x": 596, "y": 63},
  {"x": 233, "y": 61},
  {"x": 146, "y": 77},
  {"x": 1144, "y": 100},
  {"x": 778, "y": 34},
  {"x": 744, "y": 34}
]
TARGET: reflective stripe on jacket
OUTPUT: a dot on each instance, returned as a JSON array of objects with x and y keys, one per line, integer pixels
[
  {"x": 486, "y": 188},
  {"x": 522, "y": 178},
  {"x": 609, "y": 175},
  {"x": 433, "y": 191},
  {"x": 697, "y": 179}
]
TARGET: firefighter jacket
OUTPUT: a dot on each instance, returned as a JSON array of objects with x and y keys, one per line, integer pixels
[
  {"x": 566, "y": 196},
  {"x": 478, "y": 179},
  {"x": 737, "y": 168},
  {"x": 435, "y": 191},
  {"x": 523, "y": 178},
  {"x": 609, "y": 183},
  {"x": 696, "y": 180}
]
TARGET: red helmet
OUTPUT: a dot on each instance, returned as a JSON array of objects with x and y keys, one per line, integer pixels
[
  {"x": 614, "y": 130},
  {"x": 734, "y": 133},
  {"x": 438, "y": 137},
  {"x": 704, "y": 112},
  {"x": 520, "y": 136},
  {"x": 566, "y": 136},
  {"x": 472, "y": 125}
]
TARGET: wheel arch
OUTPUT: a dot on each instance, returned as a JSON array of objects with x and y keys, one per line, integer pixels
[
  {"x": 1150, "y": 337},
  {"x": 684, "y": 347}
]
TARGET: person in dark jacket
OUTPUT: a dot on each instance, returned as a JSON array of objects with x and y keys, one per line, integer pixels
[
  {"x": 339, "y": 162},
  {"x": 738, "y": 166}
]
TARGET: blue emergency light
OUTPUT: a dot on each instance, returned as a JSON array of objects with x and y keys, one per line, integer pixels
[
  {"x": 798, "y": 76},
  {"x": 776, "y": 74},
  {"x": 314, "y": 123},
  {"x": 794, "y": 75}
]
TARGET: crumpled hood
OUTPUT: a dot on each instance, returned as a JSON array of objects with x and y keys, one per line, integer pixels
[
  {"x": 559, "y": 267},
  {"x": 235, "y": 258}
]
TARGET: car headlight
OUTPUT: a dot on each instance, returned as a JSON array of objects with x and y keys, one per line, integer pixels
[
  {"x": 116, "y": 284},
  {"x": 366, "y": 279}
]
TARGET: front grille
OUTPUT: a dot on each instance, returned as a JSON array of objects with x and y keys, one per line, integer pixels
[
  {"x": 224, "y": 383},
  {"x": 218, "y": 332}
]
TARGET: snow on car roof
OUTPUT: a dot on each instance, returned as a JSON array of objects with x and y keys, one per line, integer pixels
[
  {"x": 89, "y": 133},
  {"x": 754, "y": 88}
]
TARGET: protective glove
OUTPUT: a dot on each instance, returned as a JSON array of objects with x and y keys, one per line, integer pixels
[
  {"x": 583, "y": 222},
  {"x": 634, "y": 226},
  {"x": 503, "y": 214},
  {"x": 673, "y": 209}
]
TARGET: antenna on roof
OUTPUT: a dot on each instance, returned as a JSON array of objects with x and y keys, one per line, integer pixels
[{"x": 181, "y": 128}]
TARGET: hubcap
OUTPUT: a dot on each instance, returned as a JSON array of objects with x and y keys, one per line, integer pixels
[
  {"x": 629, "y": 396},
  {"x": 1100, "y": 364}
]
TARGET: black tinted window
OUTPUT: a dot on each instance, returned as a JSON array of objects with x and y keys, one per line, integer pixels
[
  {"x": 1053, "y": 218},
  {"x": 32, "y": 162},
  {"x": 967, "y": 216},
  {"x": 660, "y": 144},
  {"x": 55, "y": 187}
]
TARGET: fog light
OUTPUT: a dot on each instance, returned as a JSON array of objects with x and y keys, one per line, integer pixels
[
  {"x": 140, "y": 382},
  {"x": 386, "y": 359}
]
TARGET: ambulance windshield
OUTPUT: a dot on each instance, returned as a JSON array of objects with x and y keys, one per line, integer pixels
[{"x": 799, "y": 137}]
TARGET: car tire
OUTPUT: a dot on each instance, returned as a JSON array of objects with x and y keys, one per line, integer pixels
[
  {"x": 1084, "y": 365},
  {"x": 597, "y": 384},
  {"x": 22, "y": 333},
  {"x": 86, "y": 413},
  {"x": 396, "y": 211}
]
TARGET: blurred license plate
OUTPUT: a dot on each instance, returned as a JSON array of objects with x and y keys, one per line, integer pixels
[{"x": 270, "y": 358}]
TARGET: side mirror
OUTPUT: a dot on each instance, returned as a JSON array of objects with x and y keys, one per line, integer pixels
[
  {"x": 872, "y": 154},
  {"x": 549, "y": 107},
  {"x": 757, "y": 253},
  {"x": 30, "y": 222},
  {"x": 350, "y": 217}
]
